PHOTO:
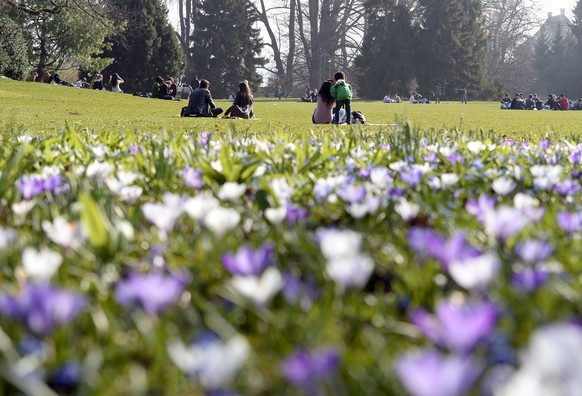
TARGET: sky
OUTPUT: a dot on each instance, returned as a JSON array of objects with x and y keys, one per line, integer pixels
[{"x": 554, "y": 7}]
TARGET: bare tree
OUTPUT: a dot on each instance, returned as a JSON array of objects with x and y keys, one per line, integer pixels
[
  {"x": 509, "y": 24},
  {"x": 279, "y": 21}
]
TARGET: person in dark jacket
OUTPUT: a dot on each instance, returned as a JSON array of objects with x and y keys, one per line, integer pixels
[{"x": 201, "y": 104}]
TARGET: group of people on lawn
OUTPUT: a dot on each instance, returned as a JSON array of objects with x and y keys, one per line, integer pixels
[
  {"x": 331, "y": 97},
  {"x": 533, "y": 102}
]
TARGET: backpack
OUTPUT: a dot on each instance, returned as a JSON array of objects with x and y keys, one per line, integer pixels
[{"x": 358, "y": 117}]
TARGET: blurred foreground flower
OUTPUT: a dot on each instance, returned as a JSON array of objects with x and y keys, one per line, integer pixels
[
  {"x": 153, "y": 292},
  {"x": 41, "y": 307},
  {"x": 248, "y": 261},
  {"x": 431, "y": 373},
  {"x": 306, "y": 368},
  {"x": 210, "y": 361},
  {"x": 40, "y": 264},
  {"x": 64, "y": 233},
  {"x": 346, "y": 265},
  {"x": 457, "y": 326},
  {"x": 551, "y": 364}
]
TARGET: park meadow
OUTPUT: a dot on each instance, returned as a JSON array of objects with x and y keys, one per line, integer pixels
[{"x": 434, "y": 250}]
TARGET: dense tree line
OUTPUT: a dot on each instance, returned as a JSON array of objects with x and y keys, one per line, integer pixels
[{"x": 385, "y": 46}]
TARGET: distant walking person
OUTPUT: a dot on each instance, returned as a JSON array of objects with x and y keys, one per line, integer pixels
[
  {"x": 437, "y": 93},
  {"x": 342, "y": 93},
  {"x": 201, "y": 104},
  {"x": 463, "y": 95}
]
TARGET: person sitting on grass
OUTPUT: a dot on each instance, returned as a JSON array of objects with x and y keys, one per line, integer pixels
[
  {"x": 564, "y": 102},
  {"x": 552, "y": 103},
  {"x": 577, "y": 105},
  {"x": 156, "y": 86},
  {"x": 325, "y": 102},
  {"x": 201, "y": 104},
  {"x": 506, "y": 102},
  {"x": 242, "y": 106}
]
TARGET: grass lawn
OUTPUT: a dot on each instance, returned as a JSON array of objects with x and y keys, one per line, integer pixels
[{"x": 46, "y": 109}]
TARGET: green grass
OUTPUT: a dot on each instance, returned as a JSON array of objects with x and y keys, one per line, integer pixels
[{"x": 47, "y": 109}]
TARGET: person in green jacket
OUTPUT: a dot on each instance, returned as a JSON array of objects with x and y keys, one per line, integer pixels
[
  {"x": 342, "y": 93},
  {"x": 156, "y": 87}
]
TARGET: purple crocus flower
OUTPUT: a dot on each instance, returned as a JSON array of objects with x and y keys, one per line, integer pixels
[
  {"x": 505, "y": 222},
  {"x": 192, "y": 177},
  {"x": 425, "y": 242},
  {"x": 41, "y": 307},
  {"x": 529, "y": 279},
  {"x": 459, "y": 327},
  {"x": 480, "y": 206},
  {"x": 248, "y": 261},
  {"x": 544, "y": 144},
  {"x": 295, "y": 214},
  {"x": 30, "y": 186},
  {"x": 456, "y": 248},
  {"x": 54, "y": 184},
  {"x": 567, "y": 187},
  {"x": 352, "y": 193},
  {"x": 153, "y": 292},
  {"x": 570, "y": 222},
  {"x": 412, "y": 177},
  {"x": 296, "y": 290},
  {"x": 456, "y": 157},
  {"x": 534, "y": 251},
  {"x": 305, "y": 368},
  {"x": 134, "y": 149},
  {"x": 204, "y": 139},
  {"x": 430, "y": 373},
  {"x": 431, "y": 157}
]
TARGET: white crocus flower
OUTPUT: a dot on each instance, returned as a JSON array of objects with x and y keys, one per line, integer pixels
[
  {"x": 130, "y": 194},
  {"x": 475, "y": 272},
  {"x": 406, "y": 210},
  {"x": 259, "y": 289},
  {"x": 275, "y": 215},
  {"x": 550, "y": 364},
  {"x": 99, "y": 170},
  {"x": 475, "y": 146},
  {"x": 162, "y": 215},
  {"x": 202, "y": 204},
  {"x": 7, "y": 236},
  {"x": 40, "y": 264},
  {"x": 357, "y": 210},
  {"x": 503, "y": 185},
  {"x": 522, "y": 201},
  {"x": 351, "y": 270},
  {"x": 214, "y": 364},
  {"x": 449, "y": 179},
  {"x": 21, "y": 209},
  {"x": 398, "y": 166},
  {"x": 339, "y": 243},
  {"x": 380, "y": 177},
  {"x": 231, "y": 191},
  {"x": 221, "y": 220},
  {"x": 64, "y": 233},
  {"x": 282, "y": 190}
]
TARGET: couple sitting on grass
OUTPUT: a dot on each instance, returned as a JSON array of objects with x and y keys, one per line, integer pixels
[
  {"x": 201, "y": 104},
  {"x": 333, "y": 95}
]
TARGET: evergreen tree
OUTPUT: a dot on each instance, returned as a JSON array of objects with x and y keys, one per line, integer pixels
[
  {"x": 557, "y": 59},
  {"x": 451, "y": 44},
  {"x": 13, "y": 50},
  {"x": 575, "y": 58},
  {"x": 147, "y": 48},
  {"x": 225, "y": 46},
  {"x": 385, "y": 65}
]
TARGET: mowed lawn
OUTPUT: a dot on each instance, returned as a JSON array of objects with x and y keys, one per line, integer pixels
[{"x": 46, "y": 109}]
